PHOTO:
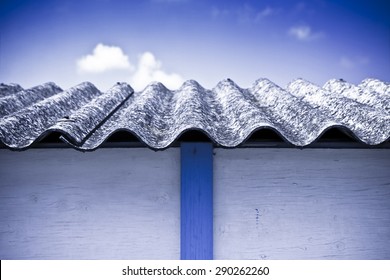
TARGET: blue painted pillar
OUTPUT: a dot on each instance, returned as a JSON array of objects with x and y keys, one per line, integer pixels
[{"x": 196, "y": 208}]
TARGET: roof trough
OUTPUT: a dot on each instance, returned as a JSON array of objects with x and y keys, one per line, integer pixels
[{"x": 300, "y": 113}]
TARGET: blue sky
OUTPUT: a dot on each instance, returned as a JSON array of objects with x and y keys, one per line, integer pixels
[{"x": 105, "y": 41}]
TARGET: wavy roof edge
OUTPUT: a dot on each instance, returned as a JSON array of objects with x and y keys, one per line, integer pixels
[
  {"x": 17, "y": 87},
  {"x": 300, "y": 114}
]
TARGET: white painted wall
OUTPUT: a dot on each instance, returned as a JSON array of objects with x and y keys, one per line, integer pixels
[
  {"x": 301, "y": 204},
  {"x": 125, "y": 203},
  {"x": 107, "y": 204}
]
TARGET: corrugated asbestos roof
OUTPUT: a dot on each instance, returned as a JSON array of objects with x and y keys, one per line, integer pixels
[{"x": 228, "y": 114}]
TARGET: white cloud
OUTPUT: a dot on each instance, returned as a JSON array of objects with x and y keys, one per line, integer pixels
[
  {"x": 244, "y": 14},
  {"x": 150, "y": 69},
  {"x": 349, "y": 63},
  {"x": 266, "y": 12},
  {"x": 104, "y": 58},
  {"x": 303, "y": 33},
  {"x": 300, "y": 32}
]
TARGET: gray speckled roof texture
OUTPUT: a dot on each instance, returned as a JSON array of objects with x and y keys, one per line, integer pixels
[{"x": 228, "y": 114}]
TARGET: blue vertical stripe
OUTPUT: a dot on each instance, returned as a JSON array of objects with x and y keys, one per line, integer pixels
[{"x": 196, "y": 241}]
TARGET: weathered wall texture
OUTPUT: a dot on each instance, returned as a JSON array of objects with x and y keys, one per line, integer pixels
[
  {"x": 125, "y": 203},
  {"x": 108, "y": 204},
  {"x": 301, "y": 204}
]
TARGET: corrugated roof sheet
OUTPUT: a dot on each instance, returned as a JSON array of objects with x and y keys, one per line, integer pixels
[{"x": 228, "y": 114}]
